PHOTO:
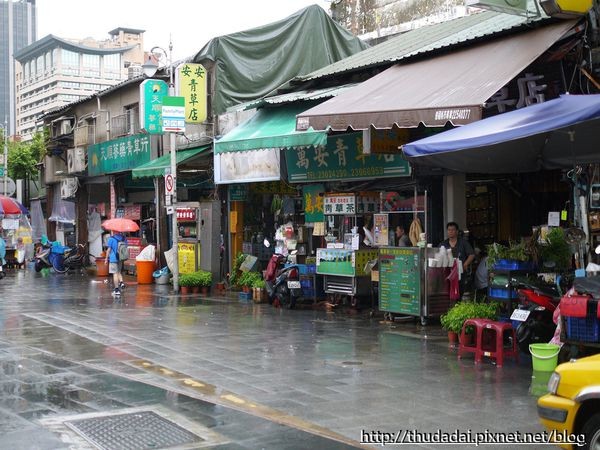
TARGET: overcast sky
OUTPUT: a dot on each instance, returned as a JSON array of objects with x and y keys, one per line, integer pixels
[{"x": 191, "y": 23}]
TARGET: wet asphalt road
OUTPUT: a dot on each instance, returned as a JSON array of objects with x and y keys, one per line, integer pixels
[{"x": 240, "y": 375}]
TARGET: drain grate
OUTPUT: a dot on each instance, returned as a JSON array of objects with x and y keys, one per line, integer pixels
[{"x": 133, "y": 431}]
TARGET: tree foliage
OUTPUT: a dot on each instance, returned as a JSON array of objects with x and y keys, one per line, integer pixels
[
  {"x": 364, "y": 16},
  {"x": 23, "y": 157}
]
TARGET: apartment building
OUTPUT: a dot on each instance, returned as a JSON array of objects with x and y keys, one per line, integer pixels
[{"x": 53, "y": 72}]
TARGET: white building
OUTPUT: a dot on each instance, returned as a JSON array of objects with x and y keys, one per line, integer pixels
[{"x": 53, "y": 72}]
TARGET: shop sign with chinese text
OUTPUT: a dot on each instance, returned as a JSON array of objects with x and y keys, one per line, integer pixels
[
  {"x": 339, "y": 204},
  {"x": 191, "y": 80},
  {"x": 385, "y": 141},
  {"x": 342, "y": 159},
  {"x": 312, "y": 197},
  {"x": 152, "y": 93},
  {"x": 118, "y": 155}
]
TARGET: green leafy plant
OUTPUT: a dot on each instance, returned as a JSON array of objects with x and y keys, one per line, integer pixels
[
  {"x": 235, "y": 273},
  {"x": 204, "y": 278},
  {"x": 556, "y": 253},
  {"x": 454, "y": 319},
  {"x": 187, "y": 280},
  {"x": 259, "y": 283},
  {"x": 515, "y": 252},
  {"x": 249, "y": 279}
]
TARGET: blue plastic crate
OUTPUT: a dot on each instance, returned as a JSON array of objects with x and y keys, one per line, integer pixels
[
  {"x": 306, "y": 283},
  {"x": 584, "y": 329},
  {"x": 509, "y": 264},
  {"x": 245, "y": 296},
  {"x": 308, "y": 292},
  {"x": 311, "y": 268},
  {"x": 499, "y": 292}
]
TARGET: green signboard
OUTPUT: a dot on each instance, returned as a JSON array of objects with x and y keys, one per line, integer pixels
[
  {"x": 152, "y": 93},
  {"x": 238, "y": 192},
  {"x": 400, "y": 280},
  {"x": 342, "y": 159},
  {"x": 118, "y": 155},
  {"x": 312, "y": 199},
  {"x": 1, "y": 171}
]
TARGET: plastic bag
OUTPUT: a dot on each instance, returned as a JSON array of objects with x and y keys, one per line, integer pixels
[
  {"x": 170, "y": 258},
  {"x": 147, "y": 254}
]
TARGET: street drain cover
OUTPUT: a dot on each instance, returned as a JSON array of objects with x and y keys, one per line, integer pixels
[
  {"x": 352, "y": 363},
  {"x": 133, "y": 431}
]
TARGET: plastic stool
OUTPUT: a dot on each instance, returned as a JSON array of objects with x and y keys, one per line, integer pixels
[
  {"x": 478, "y": 324},
  {"x": 490, "y": 346},
  {"x": 499, "y": 351}
]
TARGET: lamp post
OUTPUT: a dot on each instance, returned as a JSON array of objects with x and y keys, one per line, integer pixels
[{"x": 150, "y": 68}]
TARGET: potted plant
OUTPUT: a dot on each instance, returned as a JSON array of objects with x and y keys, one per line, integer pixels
[
  {"x": 259, "y": 290},
  {"x": 204, "y": 280},
  {"x": 196, "y": 282},
  {"x": 556, "y": 252},
  {"x": 245, "y": 281},
  {"x": 186, "y": 281},
  {"x": 454, "y": 319}
]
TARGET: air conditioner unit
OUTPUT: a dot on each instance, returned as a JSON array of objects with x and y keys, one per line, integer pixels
[
  {"x": 68, "y": 188},
  {"x": 76, "y": 160}
]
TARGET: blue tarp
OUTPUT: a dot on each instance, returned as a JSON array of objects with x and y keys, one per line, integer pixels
[{"x": 559, "y": 133}]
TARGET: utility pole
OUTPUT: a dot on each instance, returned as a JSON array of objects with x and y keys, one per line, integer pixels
[{"x": 173, "y": 150}]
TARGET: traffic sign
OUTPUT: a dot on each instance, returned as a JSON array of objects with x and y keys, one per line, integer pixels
[{"x": 169, "y": 184}]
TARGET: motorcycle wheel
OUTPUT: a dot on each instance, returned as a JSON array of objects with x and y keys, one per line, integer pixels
[
  {"x": 2, "y": 275},
  {"x": 524, "y": 336},
  {"x": 57, "y": 266}
]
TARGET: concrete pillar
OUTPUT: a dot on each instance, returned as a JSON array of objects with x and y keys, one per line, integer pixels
[{"x": 455, "y": 200}]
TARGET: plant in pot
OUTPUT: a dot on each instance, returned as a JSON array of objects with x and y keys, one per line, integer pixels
[
  {"x": 454, "y": 319},
  {"x": 196, "y": 283},
  {"x": 245, "y": 281},
  {"x": 186, "y": 281},
  {"x": 205, "y": 281},
  {"x": 259, "y": 290}
]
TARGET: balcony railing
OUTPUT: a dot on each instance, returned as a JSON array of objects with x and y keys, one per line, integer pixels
[
  {"x": 125, "y": 124},
  {"x": 85, "y": 135}
]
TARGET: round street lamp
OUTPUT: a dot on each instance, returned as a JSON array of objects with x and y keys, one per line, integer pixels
[{"x": 149, "y": 68}]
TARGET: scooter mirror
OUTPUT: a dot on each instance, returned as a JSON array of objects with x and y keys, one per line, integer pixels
[
  {"x": 293, "y": 252},
  {"x": 266, "y": 243},
  {"x": 597, "y": 250}
]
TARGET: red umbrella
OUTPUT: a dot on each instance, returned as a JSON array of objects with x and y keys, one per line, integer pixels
[
  {"x": 122, "y": 225},
  {"x": 9, "y": 206}
]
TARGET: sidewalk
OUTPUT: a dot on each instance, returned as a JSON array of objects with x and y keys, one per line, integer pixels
[{"x": 332, "y": 374}]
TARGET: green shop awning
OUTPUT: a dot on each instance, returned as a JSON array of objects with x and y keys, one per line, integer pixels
[
  {"x": 271, "y": 128},
  {"x": 156, "y": 168}
]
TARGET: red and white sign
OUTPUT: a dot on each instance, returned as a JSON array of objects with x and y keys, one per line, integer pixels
[
  {"x": 169, "y": 184},
  {"x": 186, "y": 214}
]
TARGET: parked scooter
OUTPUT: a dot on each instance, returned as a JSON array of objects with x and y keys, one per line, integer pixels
[
  {"x": 282, "y": 283},
  {"x": 61, "y": 259},
  {"x": 537, "y": 304}
]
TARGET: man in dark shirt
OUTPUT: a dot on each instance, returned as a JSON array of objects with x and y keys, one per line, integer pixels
[{"x": 461, "y": 248}]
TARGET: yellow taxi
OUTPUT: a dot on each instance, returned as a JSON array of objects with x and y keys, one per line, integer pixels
[{"x": 571, "y": 411}]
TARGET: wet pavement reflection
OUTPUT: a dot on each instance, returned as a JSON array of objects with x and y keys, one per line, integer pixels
[{"x": 258, "y": 376}]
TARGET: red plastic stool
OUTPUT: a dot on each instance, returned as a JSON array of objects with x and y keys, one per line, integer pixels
[
  {"x": 478, "y": 324},
  {"x": 498, "y": 351},
  {"x": 490, "y": 346}
]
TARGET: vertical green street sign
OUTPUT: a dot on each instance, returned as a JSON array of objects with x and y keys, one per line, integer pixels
[
  {"x": 152, "y": 93},
  {"x": 1, "y": 171}
]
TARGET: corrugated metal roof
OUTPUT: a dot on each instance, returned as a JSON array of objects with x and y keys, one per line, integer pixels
[
  {"x": 302, "y": 95},
  {"x": 425, "y": 39}
]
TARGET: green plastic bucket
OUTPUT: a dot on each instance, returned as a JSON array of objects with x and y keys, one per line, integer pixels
[{"x": 544, "y": 356}]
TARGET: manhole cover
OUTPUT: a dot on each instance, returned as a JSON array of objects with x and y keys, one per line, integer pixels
[
  {"x": 352, "y": 363},
  {"x": 133, "y": 431}
]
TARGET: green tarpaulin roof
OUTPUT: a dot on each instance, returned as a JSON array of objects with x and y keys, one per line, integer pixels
[
  {"x": 271, "y": 128},
  {"x": 156, "y": 168},
  {"x": 250, "y": 64}
]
